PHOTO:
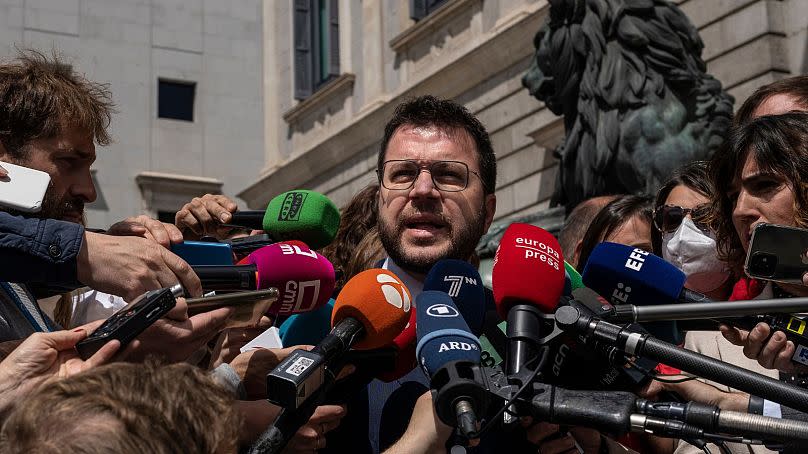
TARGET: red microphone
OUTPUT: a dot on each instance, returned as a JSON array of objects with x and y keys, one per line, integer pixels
[
  {"x": 528, "y": 280},
  {"x": 303, "y": 277},
  {"x": 405, "y": 361}
]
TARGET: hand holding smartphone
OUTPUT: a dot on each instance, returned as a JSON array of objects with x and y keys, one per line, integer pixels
[
  {"x": 131, "y": 320},
  {"x": 249, "y": 306},
  {"x": 23, "y": 189}
]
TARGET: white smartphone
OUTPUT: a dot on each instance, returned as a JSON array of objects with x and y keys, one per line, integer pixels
[{"x": 23, "y": 189}]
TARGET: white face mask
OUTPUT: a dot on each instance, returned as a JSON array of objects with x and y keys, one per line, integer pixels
[{"x": 695, "y": 253}]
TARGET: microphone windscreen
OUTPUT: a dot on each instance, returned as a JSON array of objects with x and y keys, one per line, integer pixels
[
  {"x": 302, "y": 215},
  {"x": 443, "y": 335},
  {"x": 527, "y": 269},
  {"x": 380, "y": 301},
  {"x": 572, "y": 279},
  {"x": 304, "y": 278},
  {"x": 461, "y": 281},
  {"x": 627, "y": 275},
  {"x": 307, "y": 328}
]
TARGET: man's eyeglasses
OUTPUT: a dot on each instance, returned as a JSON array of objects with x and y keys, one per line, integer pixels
[
  {"x": 448, "y": 176},
  {"x": 668, "y": 218}
]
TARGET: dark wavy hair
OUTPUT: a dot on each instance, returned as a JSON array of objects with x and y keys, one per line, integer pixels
[
  {"x": 694, "y": 175},
  {"x": 445, "y": 114},
  {"x": 610, "y": 218},
  {"x": 779, "y": 145},
  {"x": 358, "y": 217}
]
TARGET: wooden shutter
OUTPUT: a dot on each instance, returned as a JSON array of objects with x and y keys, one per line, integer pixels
[
  {"x": 304, "y": 72},
  {"x": 418, "y": 9},
  {"x": 333, "y": 38}
]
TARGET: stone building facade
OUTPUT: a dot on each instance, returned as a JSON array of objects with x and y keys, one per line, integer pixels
[
  {"x": 473, "y": 51},
  {"x": 211, "y": 49}
]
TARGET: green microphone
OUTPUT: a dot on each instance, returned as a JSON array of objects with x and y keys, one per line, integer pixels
[
  {"x": 300, "y": 214},
  {"x": 572, "y": 279}
]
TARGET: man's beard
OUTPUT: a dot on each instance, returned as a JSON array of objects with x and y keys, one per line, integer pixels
[
  {"x": 54, "y": 207},
  {"x": 462, "y": 243}
]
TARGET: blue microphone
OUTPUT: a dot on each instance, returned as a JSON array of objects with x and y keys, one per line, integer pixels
[
  {"x": 461, "y": 281},
  {"x": 450, "y": 356},
  {"x": 626, "y": 275}
]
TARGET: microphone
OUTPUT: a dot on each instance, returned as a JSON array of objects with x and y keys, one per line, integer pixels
[
  {"x": 371, "y": 310},
  {"x": 302, "y": 215},
  {"x": 570, "y": 318},
  {"x": 450, "y": 356},
  {"x": 627, "y": 275},
  {"x": 461, "y": 281},
  {"x": 631, "y": 275},
  {"x": 303, "y": 277},
  {"x": 572, "y": 279},
  {"x": 528, "y": 279}
]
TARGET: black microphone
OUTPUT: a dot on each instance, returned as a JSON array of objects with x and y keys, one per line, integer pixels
[
  {"x": 628, "y": 275},
  {"x": 571, "y": 319}
]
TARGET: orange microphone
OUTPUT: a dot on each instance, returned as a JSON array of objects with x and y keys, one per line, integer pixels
[{"x": 370, "y": 311}]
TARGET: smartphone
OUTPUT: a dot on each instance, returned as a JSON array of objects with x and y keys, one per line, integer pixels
[
  {"x": 777, "y": 253},
  {"x": 204, "y": 253},
  {"x": 249, "y": 306},
  {"x": 247, "y": 244},
  {"x": 23, "y": 189},
  {"x": 131, "y": 320}
]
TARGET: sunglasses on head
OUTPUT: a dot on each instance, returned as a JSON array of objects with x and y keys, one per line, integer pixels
[{"x": 668, "y": 218}]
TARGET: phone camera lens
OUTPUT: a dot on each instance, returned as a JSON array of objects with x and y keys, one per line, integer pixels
[{"x": 763, "y": 264}]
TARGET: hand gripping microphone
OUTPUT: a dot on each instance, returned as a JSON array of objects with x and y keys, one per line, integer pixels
[
  {"x": 369, "y": 313},
  {"x": 528, "y": 279},
  {"x": 302, "y": 215},
  {"x": 450, "y": 356},
  {"x": 303, "y": 277}
]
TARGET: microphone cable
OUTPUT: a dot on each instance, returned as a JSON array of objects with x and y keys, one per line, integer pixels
[{"x": 542, "y": 361}]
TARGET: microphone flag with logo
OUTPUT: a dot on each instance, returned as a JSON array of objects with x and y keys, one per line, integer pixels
[
  {"x": 304, "y": 278},
  {"x": 627, "y": 275},
  {"x": 300, "y": 214},
  {"x": 443, "y": 334},
  {"x": 380, "y": 301},
  {"x": 462, "y": 282},
  {"x": 371, "y": 310}
]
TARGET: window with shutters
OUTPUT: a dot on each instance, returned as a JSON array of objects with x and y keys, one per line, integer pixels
[
  {"x": 419, "y": 9},
  {"x": 316, "y": 41}
]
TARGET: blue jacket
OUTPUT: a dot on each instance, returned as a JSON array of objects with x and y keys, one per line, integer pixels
[{"x": 39, "y": 250}]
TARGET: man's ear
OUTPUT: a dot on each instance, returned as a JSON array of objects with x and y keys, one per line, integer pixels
[
  {"x": 577, "y": 254},
  {"x": 490, "y": 209}
]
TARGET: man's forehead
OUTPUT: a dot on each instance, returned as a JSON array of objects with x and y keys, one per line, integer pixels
[{"x": 432, "y": 142}]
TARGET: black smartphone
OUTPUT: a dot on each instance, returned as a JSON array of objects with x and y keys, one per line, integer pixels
[
  {"x": 247, "y": 244},
  {"x": 131, "y": 320},
  {"x": 777, "y": 253}
]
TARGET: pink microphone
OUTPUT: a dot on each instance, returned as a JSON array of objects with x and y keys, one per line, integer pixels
[{"x": 304, "y": 278}]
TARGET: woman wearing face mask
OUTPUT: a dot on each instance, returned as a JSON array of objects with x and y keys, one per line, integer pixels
[{"x": 681, "y": 237}]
